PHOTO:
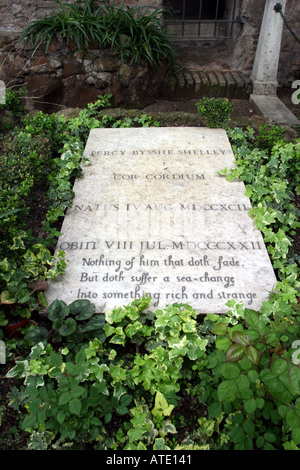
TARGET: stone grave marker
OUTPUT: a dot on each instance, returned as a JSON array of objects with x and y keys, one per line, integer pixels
[{"x": 151, "y": 215}]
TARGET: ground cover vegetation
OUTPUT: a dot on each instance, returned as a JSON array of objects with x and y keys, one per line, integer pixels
[{"x": 135, "y": 378}]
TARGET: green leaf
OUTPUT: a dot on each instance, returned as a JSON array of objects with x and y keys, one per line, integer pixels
[
  {"x": 230, "y": 371},
  {"x": 77, "y": 391},
  {"x": 60, "y": 416},
  {"x": 215, "y": 409},
  {"x": 235, "y": 353},
  {"x": 296, "y": 436},
  {"x": 75, "y": 406},
  {"x": 121, "y": 410},
  {"x": 82, "y": 309},
  {"x": 237, "y": 434},
  {"x": 253, "y": 354},
  {"x": 80, "y": 357},
  {"x": 67, "y": 327},
  {"x": 227, "y": 391},
  {"x": 161, "y": 408},
  {"x": 58, "y": 310},
  {"x": 242, "y": 383},
  {"x": 159, "y": 444},
  {"x": 253, "y": 376},
  {"x": 260, "y": 442},
  {"x": 219, "y": 329},
  {"x": 126, "y": 400},
  {"x": 223, "y": 343},
  {"x": 250, "y": 405},
  {"x": 279, "y": 367},
  {"x": 55, "y": 359},
  {"x": 240, "y": 338},
  {"x": 64, "y": 398},
  {"x": 252, "y": 318},
  {"x": 29, "y": 422},
  {"x": 269, "y": 437}
]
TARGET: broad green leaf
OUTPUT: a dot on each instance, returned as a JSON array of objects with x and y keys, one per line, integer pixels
[
  {"x": 219, "y": 329},
  {"x": 227, "y": 391},
  {"x": 159, "y": 444},
  {"x": 77, "y": 391},
  {"x": 269, "y": 437},
  {"x": 237, "y": 434},
  {"x": 29, "y": 422},
  {"x": 294, "y": 379},
  {"x": 240, "y": 338},
  {"x": 80, "y": 357},
  {"x": 75, "y": 406},
  {"x": 64, "y": 398},
  {"x": 82, "y": 309},
  {"x": 222, "y": 343},
  {"x": 296, "y": 435},
  {"x": 56, "y": 359},
  {"x": 230, "y": 371},
  {"x": 67, "y": 327},
  {"x": 249, "y": 427},
  {"x": 215, "y": 409},
  {"x": 126, "y": 400},
  {"x": 252, "y": 318},
  {"x": 58, "y": 310},
  {"x": 121, "y": 410},
  {"x": 235, "y": 353},
  {"x": 253, "y": 354},
  {"x": 279, "y": 366},
  {"x": 244, "y": 391},
  {"x": 132, "y": 329},
  {"x": 260, "y": 442},
  {"x": 253, "y": 376},
  {"x": 250, "y": 405},
  {"x": 60, "y": 416}
]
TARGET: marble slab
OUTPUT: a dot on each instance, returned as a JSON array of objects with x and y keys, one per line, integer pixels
[{"x": 152, "y": 215}]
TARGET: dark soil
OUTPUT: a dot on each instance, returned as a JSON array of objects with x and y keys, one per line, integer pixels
[{"x": 241, "y": 108}]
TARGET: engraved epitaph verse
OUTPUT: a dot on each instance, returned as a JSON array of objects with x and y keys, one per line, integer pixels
[{"x": 151, "y": 215}]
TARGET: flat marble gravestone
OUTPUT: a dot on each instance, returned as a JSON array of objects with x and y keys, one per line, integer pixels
[{"x": 152, "y": 216}]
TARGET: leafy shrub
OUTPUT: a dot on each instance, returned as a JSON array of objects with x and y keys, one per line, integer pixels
[
  {"x": 216, "y": 111},
  {"x": 14, "y": 104},
  {"x": 251, "y": 379},
  {"x": 240, "y": 366},
  {"x": 134, "y": 33},
  {"x": 23, "y": 164},
  {"x": 272, "y": 182},
  {"x": 85, "y": 390},
  {"x": 73, "y": 324},
  {"x": 51, "y": 126},
  {"x": 18, "y": 276},
  {"x": 137, "y": 34},
  {"x": 73, "y": 22},
  {"x": 268, "y": 137}
]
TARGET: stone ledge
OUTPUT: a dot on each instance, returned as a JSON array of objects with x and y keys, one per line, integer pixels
[
  {"x": 196, "y": 84},
  {"x": 274, "y": 109}
]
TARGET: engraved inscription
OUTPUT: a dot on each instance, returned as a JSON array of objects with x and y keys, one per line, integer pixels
[{"x": 152, "y": 215}]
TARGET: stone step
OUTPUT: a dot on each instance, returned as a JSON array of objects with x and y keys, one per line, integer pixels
[{"x": 189, "y": 84}]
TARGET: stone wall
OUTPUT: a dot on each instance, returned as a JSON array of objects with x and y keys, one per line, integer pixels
[
  {"x": 64, "y": 78},
  {"x": 289, "y": 64}
]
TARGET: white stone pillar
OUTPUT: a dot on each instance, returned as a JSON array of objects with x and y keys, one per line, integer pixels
[{"x": 264, "y": 73}]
